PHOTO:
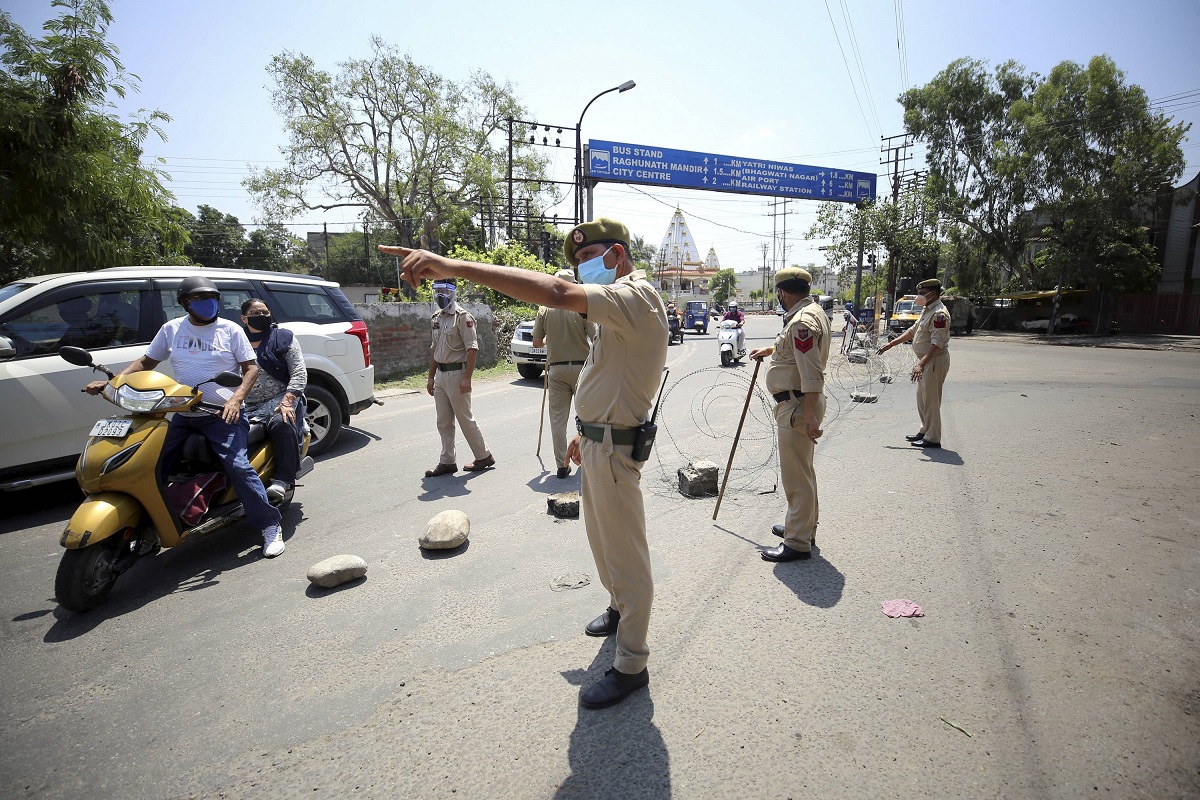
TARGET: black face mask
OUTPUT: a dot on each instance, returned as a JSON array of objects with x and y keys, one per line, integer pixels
[
  {"x": 442, "y": 300},
  {"x": 259, "y": 324}
]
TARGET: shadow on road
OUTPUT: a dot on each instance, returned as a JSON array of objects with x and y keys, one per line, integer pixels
[
  {"x": 549, "y": 483},
  {"x": 816, "y": 582},
  {"x": 943, "y": 456},
  {"x": 348, "y": 441},
  {"x": 41, "y": 505},
  {"x": 190, "y": 567},
  {"x": 316, "y": 592},
  {"x": 618, "y": 751},
  {"x": 448, "y": 485},
  {"x": 441, "y": 555}
]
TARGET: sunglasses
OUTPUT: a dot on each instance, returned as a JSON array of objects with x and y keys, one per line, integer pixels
[{"x": 259, "y": 314}]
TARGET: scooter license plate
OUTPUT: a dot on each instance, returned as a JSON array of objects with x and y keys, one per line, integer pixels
[{"x": 112, "y": 428}]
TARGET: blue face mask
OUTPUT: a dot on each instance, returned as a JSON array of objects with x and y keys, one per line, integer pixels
[
  {"x": 594, "y": 271},
  {"x": 204, "y": 309}
]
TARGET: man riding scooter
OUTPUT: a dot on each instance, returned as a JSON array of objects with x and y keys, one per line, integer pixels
[
  {"x": 735, "y": 314},
  {"x": 199, "y": 346}
]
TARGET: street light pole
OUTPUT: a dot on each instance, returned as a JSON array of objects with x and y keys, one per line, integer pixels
[{"x": 624, "y": 87}]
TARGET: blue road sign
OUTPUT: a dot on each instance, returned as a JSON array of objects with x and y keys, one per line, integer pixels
[{"x": 620, "y": 162}]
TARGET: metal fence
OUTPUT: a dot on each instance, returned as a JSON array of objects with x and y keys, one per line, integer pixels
[{"x": 1158, "y": 313}]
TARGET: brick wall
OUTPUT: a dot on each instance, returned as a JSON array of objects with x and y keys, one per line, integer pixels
[{"x": 401, "y": 335}]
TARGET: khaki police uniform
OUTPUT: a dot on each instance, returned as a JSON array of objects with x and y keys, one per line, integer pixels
[
  {"x": 798, "y": 368},
  {"x": 615, "y": 392},
  {"x": 453, "y": 335},
  {"x": 932, "y": 328},
  {"x": 567, "y": 336}
]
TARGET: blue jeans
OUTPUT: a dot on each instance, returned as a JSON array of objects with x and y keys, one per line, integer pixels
[{"x": 229, "y": 444}]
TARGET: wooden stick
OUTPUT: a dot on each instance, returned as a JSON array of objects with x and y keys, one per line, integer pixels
[
  {"x": 542, "y": 418},
  {"x": 737, "y": 436}
]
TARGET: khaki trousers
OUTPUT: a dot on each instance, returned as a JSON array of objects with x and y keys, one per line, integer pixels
[
  {"x": 453, "y": 405},
  {"x": 797, "y": 473},
  {"x": 615, "y": 519},
  {"x": 929, "y": 397},
  {"x": 561, "y": 382}
]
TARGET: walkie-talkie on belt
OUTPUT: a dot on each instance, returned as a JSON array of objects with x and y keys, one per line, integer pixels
[{"x": 646, "y": 432}]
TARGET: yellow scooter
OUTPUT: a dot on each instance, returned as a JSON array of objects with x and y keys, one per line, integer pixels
[{"x": 127, "y": 514}]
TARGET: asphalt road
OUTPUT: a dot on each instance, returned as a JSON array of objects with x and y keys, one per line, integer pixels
[{"x": 1052, "y": 544}]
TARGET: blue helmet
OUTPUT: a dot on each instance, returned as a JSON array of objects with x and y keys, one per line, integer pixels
[{"x": 849, "y": 306}]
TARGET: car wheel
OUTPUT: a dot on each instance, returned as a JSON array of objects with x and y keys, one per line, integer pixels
[
  {"x": 530, "y": 371},
  {"x": 324, "y": 417}
]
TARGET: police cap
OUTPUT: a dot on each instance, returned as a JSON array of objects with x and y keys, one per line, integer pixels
[
  {"x": 567, "y": 275},
  {"x": 598, "y": 231},
  {"x": 790, "y": 276},
  {"x": 932, "y": 283}
]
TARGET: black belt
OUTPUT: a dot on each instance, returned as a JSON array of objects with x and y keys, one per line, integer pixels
[
  {"x": 596, "y": 433},
  {"x": 565, "y": 364},
  {"x": 449, "y": 367},
  {"x": 783, "y": 397}
]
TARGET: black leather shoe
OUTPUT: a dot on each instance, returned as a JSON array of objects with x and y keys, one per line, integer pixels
[
  {"x": 785, "y": 553},
  {"x": 605, "y": 624},
  {"x": 441, "y": 469},
  {"x": 614, "y": 687},
  {"x": 916, "y": 437},
  {"x": 564, "y": 472},
  {"x": 927, "y": 443},
  {"x": 778, "y": 531}
]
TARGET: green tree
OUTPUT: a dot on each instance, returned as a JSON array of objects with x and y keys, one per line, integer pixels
[
  {"x": 390, "y": 136},
  {"x": 74, "y": 194},
  {"x": 979, "y": 172},
  {"x": 1102, "y": 153},
  {"x": 722, "y": 285},
  {"x": 273, "y": 248},
  {"x": 509, "y": 255},
  {"x": 214, "y": 239}
]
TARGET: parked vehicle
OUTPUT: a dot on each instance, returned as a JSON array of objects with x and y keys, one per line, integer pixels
[
  {"x": 695, "y": 316},
  {"x": 530, "y": 360},
  {"x": 905, "y": 314},
  {"x": 115, "y": 313},
  {"x": 962, "y": 314},
  {"x": 128, "y": 513},
  {"x": 731, "y": 343},
  {"x": 1067, "y": 323}
]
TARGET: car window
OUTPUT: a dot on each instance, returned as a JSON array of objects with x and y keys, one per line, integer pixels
[
  {"x": 92, "y": 320},
  {"x": 12, "y": 289},
  {"x": 305, "y": 304},
  {"x": 904, "y": 307}
]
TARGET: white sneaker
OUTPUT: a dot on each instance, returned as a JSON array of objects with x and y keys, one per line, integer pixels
[
  {"x": 272, "y": 541},
  {"x": 276, "y": 492}
]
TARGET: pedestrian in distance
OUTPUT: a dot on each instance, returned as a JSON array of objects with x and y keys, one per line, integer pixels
[
  {"x": 567, "y": 336},
  {"x": 451, "y": 365},
  {"x": 796, "y": 381},
  {"x": 930, "y": 337},
  {"x": 615, "y": 392}
]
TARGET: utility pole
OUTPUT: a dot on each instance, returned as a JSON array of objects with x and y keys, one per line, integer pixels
[
  {"x": 764, "y": 275},
  {"x": 895, "y": 155}
]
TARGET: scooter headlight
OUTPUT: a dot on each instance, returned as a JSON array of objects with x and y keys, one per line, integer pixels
[{"x": 131, "y": 399}]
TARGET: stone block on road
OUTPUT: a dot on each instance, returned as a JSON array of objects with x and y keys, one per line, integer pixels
[
  {"x": 337, "y": 570},
  {"x": 698, "y": 479},
  {"x": 446, "y": 531},
  {"x": 564, "y": 505}
]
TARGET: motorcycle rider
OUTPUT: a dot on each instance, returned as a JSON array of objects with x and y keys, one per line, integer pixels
[
  {"x": 199, "y": 345},
  {"x": 735, "y": 314}
]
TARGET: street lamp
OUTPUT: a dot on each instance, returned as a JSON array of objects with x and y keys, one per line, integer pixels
[{"x": 624, "y": 87}]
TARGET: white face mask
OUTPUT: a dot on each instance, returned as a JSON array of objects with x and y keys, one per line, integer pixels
[{"x": 920, "y": 301}]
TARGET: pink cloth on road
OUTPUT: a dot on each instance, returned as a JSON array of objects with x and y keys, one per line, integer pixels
[{"x": 902, "y": 608}]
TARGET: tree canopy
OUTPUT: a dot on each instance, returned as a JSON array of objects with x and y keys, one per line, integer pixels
[
  {"x": 74, "y": 193},
  {"x": 1073, "y": 158},
  {"x": 395, "y": 139}
]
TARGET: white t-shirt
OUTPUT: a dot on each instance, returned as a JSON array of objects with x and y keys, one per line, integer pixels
[{"x": 199, "y": 352}]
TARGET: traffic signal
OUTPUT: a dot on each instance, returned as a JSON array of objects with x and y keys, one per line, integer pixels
[{"x": 871, "y": 260}]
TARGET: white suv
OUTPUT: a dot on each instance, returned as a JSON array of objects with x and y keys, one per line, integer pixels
[
  {"x": 114, "y": 313},
  {"x": 530, "y": 360}
]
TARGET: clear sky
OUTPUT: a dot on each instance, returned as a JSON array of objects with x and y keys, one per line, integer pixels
[{"x": 806, "y": 81}]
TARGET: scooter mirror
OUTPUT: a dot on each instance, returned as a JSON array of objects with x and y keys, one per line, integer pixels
[
  {"x": 228, "y": 379},
  {"x": 76, "y": 355}
]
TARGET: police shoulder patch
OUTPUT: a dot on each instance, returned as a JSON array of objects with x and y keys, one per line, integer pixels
[
  {"x": 470, "y": 322},
  {"x": 940, "y": 321},
  {"x": 803, "y": 340}
]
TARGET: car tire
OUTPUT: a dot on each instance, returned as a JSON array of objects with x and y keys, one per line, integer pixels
[
  {"x": 324, "y": 416},
  {"x": 530, "y": 371}
]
